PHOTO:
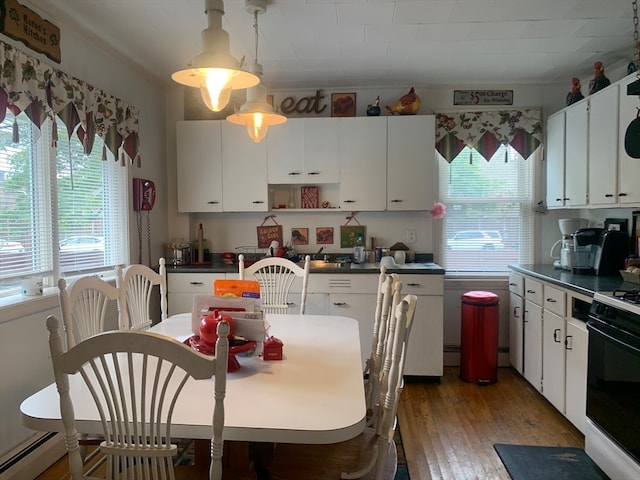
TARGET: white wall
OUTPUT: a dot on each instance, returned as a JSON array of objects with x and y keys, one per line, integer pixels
[{"x": 24, "y": 363}]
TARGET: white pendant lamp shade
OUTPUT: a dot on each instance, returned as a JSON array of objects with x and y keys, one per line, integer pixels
[
  {"x": 214, "y": 71},
  {"x": 256, "y": 113}
]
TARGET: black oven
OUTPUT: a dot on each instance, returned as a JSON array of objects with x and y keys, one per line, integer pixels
[{"x": 613, "y": 372}]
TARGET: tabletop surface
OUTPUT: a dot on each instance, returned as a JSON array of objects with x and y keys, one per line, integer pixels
[{"x": 314, "y": 395}]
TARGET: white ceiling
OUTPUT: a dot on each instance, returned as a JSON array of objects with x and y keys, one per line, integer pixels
[{"x": 360, "y": 43}]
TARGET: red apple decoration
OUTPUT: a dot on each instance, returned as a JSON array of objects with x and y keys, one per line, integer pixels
[{"x": 209, "y": 326}]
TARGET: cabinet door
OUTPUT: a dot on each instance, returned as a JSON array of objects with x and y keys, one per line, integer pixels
[
  {"x": 516, "y": 331},
  {"x": 553, "y": 374},
  {"x": 576, "y": 373},
  {"x": 628, "y": 167},
  {"x": 603, "y": 147},
  {"x": 425, "y": 347},
  {"x": 244, "y": 171},
  {"x": 532, "y": 367},
  {"x": 411, "y": 178},
  {"x": 555, "y": 160},
  {"x": 321, "y": 147},
  {"x": 285, "y": 152},
  {"x": 363, "y": 163},
  {"x": 576, "y": 130},
  {"x": 360, "y": 307},
  {"x": 199, "y": 166}
]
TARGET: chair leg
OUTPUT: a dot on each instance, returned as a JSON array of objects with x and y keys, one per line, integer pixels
[{"x": 261, "y": 455}]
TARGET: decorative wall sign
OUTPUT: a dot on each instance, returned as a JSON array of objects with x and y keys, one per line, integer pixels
[
  {"x": 23, "y": 24},
  {"x": 483, "y": 97},
  {"x": 343, "y": 104},
  {"x": 324, "y": 235},
  {"x": 269, "y": 233},
  {"x": 350, "y": 236},
  {"x": 300, "y": 236}
]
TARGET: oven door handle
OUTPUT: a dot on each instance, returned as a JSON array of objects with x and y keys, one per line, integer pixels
[{"x": 602, "y": 330}]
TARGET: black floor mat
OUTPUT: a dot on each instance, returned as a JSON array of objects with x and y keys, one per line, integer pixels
[{"x": 526, "y": 462}]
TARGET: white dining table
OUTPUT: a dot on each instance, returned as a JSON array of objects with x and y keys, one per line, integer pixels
[{"x": 315, "y": 394}]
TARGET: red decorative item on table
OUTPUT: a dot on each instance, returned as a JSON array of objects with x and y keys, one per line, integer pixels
[
  {"x": 272, "y": 349},
  {"x": 209, "y": 326}
]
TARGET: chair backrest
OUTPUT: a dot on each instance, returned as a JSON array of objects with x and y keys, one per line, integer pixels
[
  {"x": 276, "y": 276},
  {"x": 84, "y": 307},
  {"x": 146, "y": 371},
  {"x": 136, "y": 284}
]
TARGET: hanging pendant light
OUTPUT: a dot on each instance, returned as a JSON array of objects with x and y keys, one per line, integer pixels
[
  {"x": 214, "y": 71},
  {"x": 256, "y": 113}
]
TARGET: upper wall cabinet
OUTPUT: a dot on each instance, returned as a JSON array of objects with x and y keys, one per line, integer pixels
[
  {"x": 576, "y": 131},
  {"x": 199, "y": 172},
  {"x": 363, "y": 163},
  {"x": 303, "y": 151},
  {"x": 628, "y": 167},
  {"x": 411, "y": 177},
  {"x": 555, "y": 160},
  {"x": 244, "y": 171},
  {"x": 603, "y": 147}
]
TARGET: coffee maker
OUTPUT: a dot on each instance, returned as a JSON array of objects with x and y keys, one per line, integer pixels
[
  {"x": 567, "y": 226},
  {"x": 611, "y": 252},
  {"x": 585, "y": 248}
]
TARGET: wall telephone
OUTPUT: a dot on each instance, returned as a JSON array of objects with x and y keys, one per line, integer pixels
[{"x": 144, "y": 194}]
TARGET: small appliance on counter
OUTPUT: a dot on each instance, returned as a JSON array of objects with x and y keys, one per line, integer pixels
[
  {"x": 585, "y": 246},
  {"x": 567, "y": 226},
  {"x": 611, "y": 253}
]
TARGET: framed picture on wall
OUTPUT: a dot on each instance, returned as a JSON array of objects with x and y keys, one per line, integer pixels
[
  {"x": 324, "y": 235},
  {"x": 343, "y": 104}
]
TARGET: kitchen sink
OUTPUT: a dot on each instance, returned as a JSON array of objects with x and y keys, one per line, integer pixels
[{"x": 322, "y": 265}]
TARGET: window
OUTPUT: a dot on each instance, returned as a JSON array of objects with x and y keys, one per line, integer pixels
[
  {"x": 62, "y": 211},
  {"x": 489, "y": 221}
]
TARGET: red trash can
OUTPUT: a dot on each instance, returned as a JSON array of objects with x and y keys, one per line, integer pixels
[{"x": 479, "y": 337}]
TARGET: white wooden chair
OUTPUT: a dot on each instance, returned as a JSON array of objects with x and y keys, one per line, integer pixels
[
  {"x": 387, "y": 286},
  {"x": 145, "y": 370},
  {"x": 276, "y": 276},
  {"x": 84, "y": 307},
  {"x": 371, "y": 455},
  {"x": 136, "y": 284}
]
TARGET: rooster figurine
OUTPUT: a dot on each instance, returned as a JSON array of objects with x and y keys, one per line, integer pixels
[
  {"x": 409, "y": 104},
  {"x": 575, "y": 95},
  {"x": 599, "y": 81}
]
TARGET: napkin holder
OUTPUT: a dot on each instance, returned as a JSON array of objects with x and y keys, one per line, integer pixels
[{"x": 272, "y": 349}]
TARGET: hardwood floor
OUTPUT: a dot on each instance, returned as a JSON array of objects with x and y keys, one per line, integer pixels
[{"x": 449, "y": 428}]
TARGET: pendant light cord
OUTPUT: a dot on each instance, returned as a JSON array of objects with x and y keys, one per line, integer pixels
[{"x": 255, "y": 27}]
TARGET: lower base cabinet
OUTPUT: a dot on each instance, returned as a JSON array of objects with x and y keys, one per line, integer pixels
[{"x": 349, "y": 295}]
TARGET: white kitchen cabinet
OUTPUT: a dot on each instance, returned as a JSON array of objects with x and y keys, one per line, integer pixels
[
  {"x": 603, "y": 147},
  {"x": 182, "y": 286},
  {"x": 555, "y": 160},
  {"x": 362, "y": 307},
  {"x": 411, "y": 164},
  {"x": 199, "y": 166},
  {"x": 628, "y": 167},
  {"x": 532, "y": 364},
  {"x": 576, "y": 144},
  {"x": 516, "y": 321},
  {"x": 244, "y": 171},
  {"x": 577, "y": 340},
  {"x": 304, "y": 151},
  {"x": 553, "y": 372},
  {"x": 363, "y": 163}
]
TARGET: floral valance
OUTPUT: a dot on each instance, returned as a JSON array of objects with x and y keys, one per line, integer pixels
[
  {"x": 41, "y": 91},
  {"x": 487, "y": 131}
]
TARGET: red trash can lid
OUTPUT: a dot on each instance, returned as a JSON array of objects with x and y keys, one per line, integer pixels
[{"x": 478, "y": 297}]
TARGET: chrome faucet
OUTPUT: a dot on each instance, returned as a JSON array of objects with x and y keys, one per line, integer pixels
[{"x": 315, "y": 255}]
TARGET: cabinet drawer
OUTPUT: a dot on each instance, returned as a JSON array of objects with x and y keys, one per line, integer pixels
[
  {"x": 192, "y": 282},
  {"x": 342, "y": 283},
  {"x": 555, "y": 300},
  {"x": 516, "y": 284},
  {"x": 533, "y": 291},
  {"x": 422, "y": 284}
]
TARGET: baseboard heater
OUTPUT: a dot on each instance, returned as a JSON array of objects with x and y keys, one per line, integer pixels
[{"x": 33, "y": 457}]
